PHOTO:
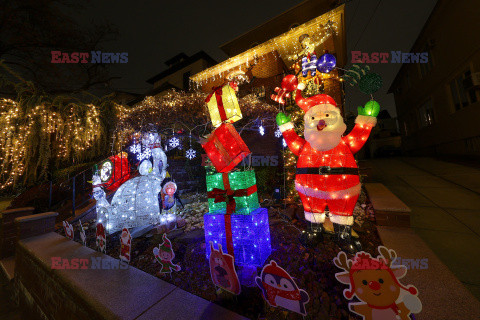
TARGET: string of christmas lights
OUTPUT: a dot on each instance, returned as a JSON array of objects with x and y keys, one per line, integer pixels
[
  {"x": 32, "y": 136},
  {"x": 286, "y": 44}
]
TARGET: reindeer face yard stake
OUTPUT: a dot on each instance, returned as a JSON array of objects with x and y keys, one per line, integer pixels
[{"x": 374, "y": 281}]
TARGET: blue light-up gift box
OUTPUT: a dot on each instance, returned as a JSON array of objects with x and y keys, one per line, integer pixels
[{"x": 250, "y": 235}]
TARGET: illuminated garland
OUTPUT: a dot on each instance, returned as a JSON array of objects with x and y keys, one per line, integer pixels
[
  {"x": 182, "y": 110},
  {"x": 38, "y": 134}
]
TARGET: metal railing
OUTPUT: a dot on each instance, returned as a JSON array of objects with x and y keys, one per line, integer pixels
[{"x": 60, "y": 191}]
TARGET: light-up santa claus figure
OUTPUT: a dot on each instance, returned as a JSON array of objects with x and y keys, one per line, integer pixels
[{"x": 327, "y": 174}]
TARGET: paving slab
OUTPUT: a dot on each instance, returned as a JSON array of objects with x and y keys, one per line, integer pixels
[
  {"x": 436, "y": 218},
  {"x": 423, "y": 180},
  {"x": 453, "y": 197},
  {"x": 191, "y": 306},
  {"x": 438, "y": 167},
  {"x": 459, "y": 251},
  {"x": 465, "y": 176},
  {"x": 469, "y": 180},
  {"x": 410, "y": 196},
  {"x": 443, "y": 296},
  {"x": 468, "y": 217}
]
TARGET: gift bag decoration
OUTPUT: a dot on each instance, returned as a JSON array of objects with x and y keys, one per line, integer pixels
[
  {"x": 225, "y": 148},
  {"x": 244, "y": 236},
  {"x": 223, "y": 105},
  {"x": 234, "y": 192}
]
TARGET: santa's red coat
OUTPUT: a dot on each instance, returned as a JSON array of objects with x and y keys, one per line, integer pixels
[{"x": 334, "y": 186}]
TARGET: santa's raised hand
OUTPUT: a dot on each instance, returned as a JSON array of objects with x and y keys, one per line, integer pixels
[{"x": 371, "y": 108}]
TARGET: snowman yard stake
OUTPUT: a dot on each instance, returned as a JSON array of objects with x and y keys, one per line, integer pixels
[{"x": 327, "y": 174}]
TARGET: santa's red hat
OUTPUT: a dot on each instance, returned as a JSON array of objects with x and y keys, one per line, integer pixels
[{"x": 290, "y": 83}]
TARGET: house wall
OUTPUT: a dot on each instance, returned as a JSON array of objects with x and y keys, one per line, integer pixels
[{"x": 451, "y": 32}]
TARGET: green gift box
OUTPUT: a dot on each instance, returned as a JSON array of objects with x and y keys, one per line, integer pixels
[{"x": 232, "y": 193}]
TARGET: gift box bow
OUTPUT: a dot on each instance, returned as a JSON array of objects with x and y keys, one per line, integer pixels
[
  {"x": 228, "y": 196},
  {"x": 217, "y": 91}
]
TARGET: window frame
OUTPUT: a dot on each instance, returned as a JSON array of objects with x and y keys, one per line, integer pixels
[
  {"x": 456, "y": 93},
  {"x": 422, "y": 115},
  {"x": 425, "y": 68}
]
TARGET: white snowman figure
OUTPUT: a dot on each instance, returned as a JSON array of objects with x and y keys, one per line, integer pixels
[{"x": 136, "y": 201}]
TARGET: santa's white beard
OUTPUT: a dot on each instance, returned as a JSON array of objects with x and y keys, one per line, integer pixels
[{"x": 325, "y": 140}]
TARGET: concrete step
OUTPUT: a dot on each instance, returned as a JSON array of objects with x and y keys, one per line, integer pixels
[
  {"x": 389, "y": 210},
  {"x": 383, "y": 199}
]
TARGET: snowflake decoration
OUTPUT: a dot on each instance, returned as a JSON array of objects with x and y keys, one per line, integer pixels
[
  {"x": 261, "y": 129},
  {"x": 284, "y": 143},
  {"x": 278, "y": 133},
  {"x": 190, "y": 154},
  {"x": 174, "y": 142},
  {"x": 135, "y": 148},
  {"x": 144, "y": 155}
]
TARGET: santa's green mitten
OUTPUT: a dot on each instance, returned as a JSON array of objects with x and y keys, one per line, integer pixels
[
  {"x": 282, "y": 118},
  {"x": 371, "y": 108}
]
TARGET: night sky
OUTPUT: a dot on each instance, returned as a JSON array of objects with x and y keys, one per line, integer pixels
[{"x": 154, "y": 31}]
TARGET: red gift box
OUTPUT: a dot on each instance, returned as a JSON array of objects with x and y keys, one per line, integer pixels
[{"x": 225, "y": 148}]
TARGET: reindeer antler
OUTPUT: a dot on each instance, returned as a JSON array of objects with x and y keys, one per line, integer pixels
[
  {"x": 387, "y": 255},
  {"x": 342, "y": 262}
]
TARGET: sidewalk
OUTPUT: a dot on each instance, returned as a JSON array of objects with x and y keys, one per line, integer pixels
[{"x": 445, "y": 202}]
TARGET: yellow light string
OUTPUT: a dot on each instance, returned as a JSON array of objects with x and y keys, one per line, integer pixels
[
  {"x": 72, "y": 134},
  {"x": 320, "y": 29}
]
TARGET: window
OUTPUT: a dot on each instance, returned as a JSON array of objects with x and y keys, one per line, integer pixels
[
  {"x": 468, "y": 85},
  {"x": 425, "y": 68},
  {"x": 259, "y": 92},
  {"x": 462, "y": 94},
  {"x": 186, "y": 80},
  {"x": 425, "y": 113}
]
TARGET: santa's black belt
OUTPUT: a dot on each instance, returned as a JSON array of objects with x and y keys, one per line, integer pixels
[{"x": 328, "y": 170}]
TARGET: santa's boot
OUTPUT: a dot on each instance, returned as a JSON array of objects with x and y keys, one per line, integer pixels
[
  {"x": 345, "y": 240},
  {"x": 313, "y": 235}
]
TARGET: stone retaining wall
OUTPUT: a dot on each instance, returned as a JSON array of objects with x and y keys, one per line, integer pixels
[
  {"x": 8, "y": 235},
  {"x": 97, "y": 292}
]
